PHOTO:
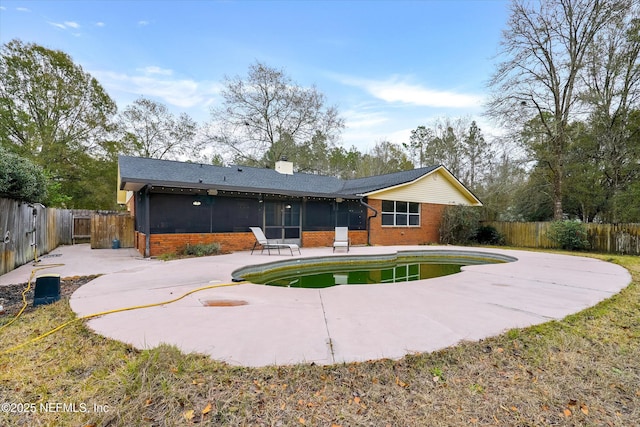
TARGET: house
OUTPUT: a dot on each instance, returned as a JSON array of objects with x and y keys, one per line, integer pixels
[{"x": 178, "y": 203}]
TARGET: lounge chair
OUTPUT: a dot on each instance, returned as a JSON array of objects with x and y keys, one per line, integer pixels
[
  {"x": 262, "y": 240},
  {"x": 341, "y": 239}
]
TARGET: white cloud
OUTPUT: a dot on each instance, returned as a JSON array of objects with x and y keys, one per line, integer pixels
[
  {"x": 152, "y": 69},
  {"x": 360, "y": 119},
  {"x": 143, "y": 23},
  {"x": 3, "y": 8},
  {"x": 397, "y": 90},
  {"x": 183, "y": 93},
  {"x": 367, "y": 123},
  {"x": 57, "y": 25},
  {"x": 66, "y": 25},
  {"x": 23, "y": 9},
  {"x": 100, "y": 24}
]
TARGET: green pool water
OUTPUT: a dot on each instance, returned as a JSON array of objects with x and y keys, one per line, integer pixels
[
  {"x": 323, "y": 272},
  {"x": 362, "y": 276}
]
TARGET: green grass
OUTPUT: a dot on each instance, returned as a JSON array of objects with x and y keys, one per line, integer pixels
[{"x": 581, "y": 371}]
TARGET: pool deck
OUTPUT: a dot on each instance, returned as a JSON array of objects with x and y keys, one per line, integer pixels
[{"x": 280, "y": 326}]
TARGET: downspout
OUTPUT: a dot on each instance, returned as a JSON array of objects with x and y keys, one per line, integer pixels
[
  {"x": 375, "y": 214},
  {"x": 147, "y": 226}
]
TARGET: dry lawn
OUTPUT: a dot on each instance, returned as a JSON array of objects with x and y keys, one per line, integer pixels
[{"x": 581, "y": 371}]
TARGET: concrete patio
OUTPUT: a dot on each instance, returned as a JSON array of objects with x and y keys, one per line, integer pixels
[{"x": 324, "y": 326}]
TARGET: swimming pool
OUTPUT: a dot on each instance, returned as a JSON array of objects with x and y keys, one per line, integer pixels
[{"x": 403, "y": 266}]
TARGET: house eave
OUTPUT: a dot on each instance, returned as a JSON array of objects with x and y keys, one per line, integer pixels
[{"x": 201, "y": 186}]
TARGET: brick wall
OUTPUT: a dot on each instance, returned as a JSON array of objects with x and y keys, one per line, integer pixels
[
  {"x": 140, "y": 242},
  {"x": 229, "y": 242},
  {"x": 314, "y": 239},
  {"x": 428, "y": 232}
]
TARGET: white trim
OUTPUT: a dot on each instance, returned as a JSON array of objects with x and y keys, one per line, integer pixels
[{"x": 474, "y": 201}]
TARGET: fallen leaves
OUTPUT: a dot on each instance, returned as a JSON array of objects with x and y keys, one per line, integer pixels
[
  {"x": 584, "y": 408},
  {"x": 572, "y": 407},
  {"x": 401, "y": 383},
  {"x": 190, "y": 415},
  {"x": 206, "y": 409}
]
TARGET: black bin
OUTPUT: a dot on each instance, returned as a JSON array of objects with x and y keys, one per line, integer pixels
[{"x": 47, "y": 289}]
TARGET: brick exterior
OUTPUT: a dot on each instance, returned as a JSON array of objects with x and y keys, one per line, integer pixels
[
  {"x": 140, "y": 242},
  {"x": 315, "y": 239},
  {"x": 428, "y": 232},
  {"x": 229, "y": 242}
]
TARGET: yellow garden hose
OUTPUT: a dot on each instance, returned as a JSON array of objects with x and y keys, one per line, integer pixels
[{"x": 117, "y": 310}]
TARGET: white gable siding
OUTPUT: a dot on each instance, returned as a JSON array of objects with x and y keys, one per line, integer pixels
[{"x": 435, "y": 187}]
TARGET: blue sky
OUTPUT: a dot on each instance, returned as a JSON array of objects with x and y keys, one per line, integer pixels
[{"x": 388, "y": 66}]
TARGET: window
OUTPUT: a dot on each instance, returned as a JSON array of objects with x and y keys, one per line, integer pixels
[
  {"x": 400, "y": 214},
  {"x": 401, "y": 273}
]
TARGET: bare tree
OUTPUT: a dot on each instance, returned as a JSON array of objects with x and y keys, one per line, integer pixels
[
  {"x": 478, "y": 154},
  {"x": 266, "y": 115},
  {"x": 544, "y": 50},
  {"x": 150, "y": 130},
  {"x": 612, "y": 91},
  {"x": 385, "y": 157}
]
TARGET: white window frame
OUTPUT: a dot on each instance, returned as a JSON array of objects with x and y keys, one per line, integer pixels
[
  {"x": 400, "y": 210},
  {"x": 402, "y": 273}
]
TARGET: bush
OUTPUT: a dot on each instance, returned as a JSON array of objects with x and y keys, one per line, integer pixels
[
  {"x": 488, "y": 235},
  {"x": 202, "y": 249},
  {"x": 570, "y": 235},
  {"x": 21, "y": 179},
  {"x": 459, "y": 225}
]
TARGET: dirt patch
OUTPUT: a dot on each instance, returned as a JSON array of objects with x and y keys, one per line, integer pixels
[{"x": 11, "y": 295}]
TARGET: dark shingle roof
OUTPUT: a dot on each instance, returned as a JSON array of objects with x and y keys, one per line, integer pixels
[
  {"x": 136, "y": 172},
  {"x": 373, "y": 183}
]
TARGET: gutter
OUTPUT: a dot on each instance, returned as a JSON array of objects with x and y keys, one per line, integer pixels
[{"x": 375, "y": 214}]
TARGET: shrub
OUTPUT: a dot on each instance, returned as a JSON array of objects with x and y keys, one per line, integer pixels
[
  {"x": 202, "y": 249},
  {"x": 570, "y": 235},
  {"x": 488, "y": 235},
  {"x": 459, "y": 225},
  {"x": 21, "y": 179}
]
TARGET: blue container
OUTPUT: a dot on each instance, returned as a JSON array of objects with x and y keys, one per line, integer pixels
[{"x": 115, "y": 244}]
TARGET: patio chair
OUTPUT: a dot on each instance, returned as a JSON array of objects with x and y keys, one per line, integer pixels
[
  {"x": 262, "y": 240},
  {"x": 341, "y": 239}
]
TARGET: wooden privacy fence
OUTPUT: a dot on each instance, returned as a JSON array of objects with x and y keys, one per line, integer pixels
[
  {"x": 611, "y": 238},
  {"x": 29, "y": 230},
  {"x": 107, "y": 228}
]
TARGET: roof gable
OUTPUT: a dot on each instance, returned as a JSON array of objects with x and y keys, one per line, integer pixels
[
  {"x": 438, "y": 186},
  {"x": 378, "y": 182}
]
